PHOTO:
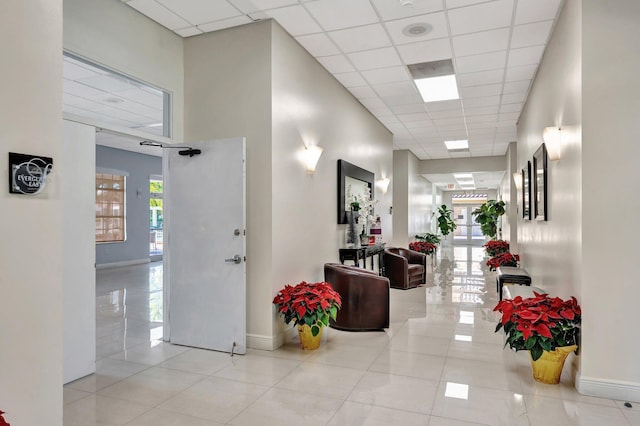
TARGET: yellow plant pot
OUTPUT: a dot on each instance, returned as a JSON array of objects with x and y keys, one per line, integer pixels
[
  {"x": 548, "y": 368},
  {"x": 307, "y": 340}
]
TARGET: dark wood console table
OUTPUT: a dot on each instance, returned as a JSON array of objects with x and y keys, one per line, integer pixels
[{"x": 361, "y": 253}]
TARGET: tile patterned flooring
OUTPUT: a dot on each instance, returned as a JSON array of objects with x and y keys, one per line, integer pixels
[{"x": 439, "y": 364}]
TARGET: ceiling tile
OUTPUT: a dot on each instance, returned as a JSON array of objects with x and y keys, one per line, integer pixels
[
  {"x": 361, "y": 38},
  {"x": 396, "y": 89},
  {"x": 471, "y": 111},
  {"x": 426, "y": 51},
  {"x": 504, "y": 116},
  {"x": 530, "y": 34},
  {"x": 512, "y": 107},
  {"x": 481, "y": 125},
  {"x": 159, "y": 13},
  {"x": 377, "y": 58},
  {"x": 536, "y": 10},
  {"x": 457, "y": 121},
  {"x": 336, "y": 64},
  {"x": 338, "y": 14},
  {"x": 520, "y": 73},
  {"x": 419, "y": 125},
  {"x": 248, "y": 6},
  {"x": 516, "y": 86},
  {"x": 224, "y": 23},
  {"x": 75, "y": 71},
  {"x": 451, "y": 4},
  {"x": 408, "y": 109},
  {"x": 419, "y": 116},
  {"x": 350, "y": 79},
  {"x": 295, "y": 20},
  {"x": 481, "y": 102},
  {"x": 404, "y": 99},
  {"x": 318, "y": 44},
  {"x": 488, "y": 118},
  {"x": 525, "y": 56},
  {"x": 480, "y": 78},
  {"x": 449, "y": 113},
  {"x": 478, "y": 91},
  {"x": 386, "y": 75},
  {"x": 381, "y": 112},
  {"x": 481, "y": 17},
  {"x": 482, "y": 133},
  {"x": 483, "y": 42},
  {"x": 483, "y": 62},
  {"x": 188, "y": 32},
  {"x": 437, "y": 22},
  {"x": 363, "y": 92},
  {"x": 514, "y": 98},
  {"x": 201, "y": 11},
  {"x": 372, "y": 103},
  {"x": 389, "y": 10}
]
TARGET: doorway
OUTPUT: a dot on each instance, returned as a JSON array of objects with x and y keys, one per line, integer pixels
[
  {"x": 156, "y": 218},
  {"x": 468, "y": 230}
]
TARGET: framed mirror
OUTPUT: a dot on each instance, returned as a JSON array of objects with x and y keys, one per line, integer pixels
[{"x": 358, "y": 178}]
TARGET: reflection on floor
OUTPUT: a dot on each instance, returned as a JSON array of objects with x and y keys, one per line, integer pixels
[{"x": 440, "y": 363}]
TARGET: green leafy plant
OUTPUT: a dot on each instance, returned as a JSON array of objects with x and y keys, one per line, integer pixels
[
  {"x": 445, "y": 221},
  {"x": 428, "y": 237},
  {"x": 539, "y": 323},
  {"x": 487, "y": 216},
  {"x": 308, "y": 303}
]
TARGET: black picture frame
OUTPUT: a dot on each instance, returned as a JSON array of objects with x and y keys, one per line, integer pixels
[
  {"x": 540, "y": 183},
  {"x": 526, "y": 191},
  {"x": 347, "y": 169}
]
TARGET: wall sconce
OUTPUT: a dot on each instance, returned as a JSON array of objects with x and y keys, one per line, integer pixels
[
  {"x": 383, "y": 184},
  {"x": 517, "y": 178},
  {"x": 310, "y": 157},
  {"x": 552, "y": 137}
]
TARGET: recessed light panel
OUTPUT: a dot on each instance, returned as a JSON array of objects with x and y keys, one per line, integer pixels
[
  {"x": 436, "y": 89},
  {"x": 459, "y": 144}
]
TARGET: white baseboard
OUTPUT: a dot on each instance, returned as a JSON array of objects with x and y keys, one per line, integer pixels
[
  {"x": 123, "y": 263},
  {"x": 603, "y": 388},
  {"x": 265, "y": 343}
]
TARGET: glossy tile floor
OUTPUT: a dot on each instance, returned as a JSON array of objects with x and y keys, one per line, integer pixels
[{"x": 440, "y": 363}]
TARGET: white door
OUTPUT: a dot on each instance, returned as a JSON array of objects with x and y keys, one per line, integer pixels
[{"x": 204, "y": 240}]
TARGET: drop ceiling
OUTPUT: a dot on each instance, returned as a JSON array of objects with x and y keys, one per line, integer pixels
[{"x": 495, "y": 47}]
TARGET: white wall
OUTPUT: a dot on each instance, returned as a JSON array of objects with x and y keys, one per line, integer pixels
[
  {"x": 610, "y": 200},
  {"x": 31, "y": 229},
  {"x": 228, "y": 94},
  {"x": 310, "y": 106},
  {"x": 77, "y": 175},
  {"x": 412, "y": 199},
  {"x": 550, "y": 251},
  {"x": 113, "y": 34},
  {"x": 512, "y": 197}
]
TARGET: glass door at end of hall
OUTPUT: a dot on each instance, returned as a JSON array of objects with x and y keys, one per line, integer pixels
[
  {"x": 156, "y": 218},
  {"x": 468, "y": 230}
]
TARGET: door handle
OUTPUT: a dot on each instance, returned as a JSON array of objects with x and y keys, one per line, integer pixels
[{"x": 235, "y": 259}]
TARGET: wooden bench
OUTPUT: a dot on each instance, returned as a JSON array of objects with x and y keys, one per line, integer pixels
[{"x": 512, "y": 275}]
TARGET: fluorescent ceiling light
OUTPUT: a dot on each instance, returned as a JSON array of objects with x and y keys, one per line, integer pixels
[
  {"x": 465, "y": 181},
  {"x": 435, "y": 89},
  {"x": 459, "y": 176},
  {"x": 459, "y": 144}
]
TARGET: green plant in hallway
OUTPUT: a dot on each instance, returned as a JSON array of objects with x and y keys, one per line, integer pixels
[
  {"x": 428, "y": 237},
  {"x": 487, "y": 216},
  {"x": 445, "y": 220}
]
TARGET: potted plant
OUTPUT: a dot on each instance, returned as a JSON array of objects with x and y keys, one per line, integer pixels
[
  {"x": 309, "y": 306},
  {"x": 445, "y": 221},
  {"x": 428, "y": 237},
  {"x": 487, "y": 216},
  {"x": 3, "y": 422},
  {"x": 548, "y": 327},
  {"x": 423, "y": 247},
  {"x": 496, "y": 247},
  {"x": 503, "y": 259}
]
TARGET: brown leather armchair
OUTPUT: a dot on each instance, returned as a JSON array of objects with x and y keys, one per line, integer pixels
[
  {"x": 365, "y": 298},
  {"x": 405, "y": 268}
]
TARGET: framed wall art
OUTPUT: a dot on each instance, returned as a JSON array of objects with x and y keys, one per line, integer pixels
[
  {"x": 526, "y": 191},
  {"x": 540, "y": 183}
]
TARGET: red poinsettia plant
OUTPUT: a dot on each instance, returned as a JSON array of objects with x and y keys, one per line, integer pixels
[
  {"x": 503, "y": 259},
  {"x": 308, "y": 303},
  {"x": 539, "y": 323},
  {"x": 495, "y": 247},
  {"x": 423, "y": 247},
  {"x": 3, "y": 422}
]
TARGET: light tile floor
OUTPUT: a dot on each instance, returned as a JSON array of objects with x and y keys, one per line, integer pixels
[{"x": 439, "y": 364}]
